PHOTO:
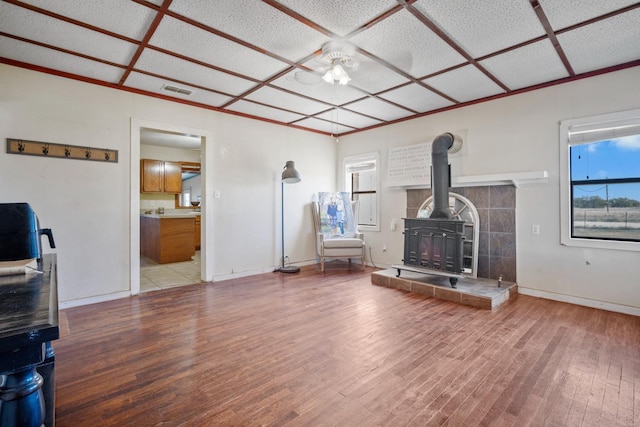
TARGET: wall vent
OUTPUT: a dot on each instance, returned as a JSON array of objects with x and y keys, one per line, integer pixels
[{"x": 177, "y": 90}]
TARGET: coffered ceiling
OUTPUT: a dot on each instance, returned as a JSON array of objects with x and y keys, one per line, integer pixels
[{"x": 262, "y": 59}]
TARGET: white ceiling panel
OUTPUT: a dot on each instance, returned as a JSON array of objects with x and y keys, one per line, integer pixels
[
  {"x": 527, "y": 66},
  {"x": 465, "y": 84},
  {"x": 416, "y": 97},
  {"x": 348, "y": 118},
  {"x": 379, "y": 109},
  {"x": 281, "y": 99},
  {"x": 199, "y": 44},
  {"x": 258, "y": 110},
  {"x": 564, "y": 13},
  {"x": 166, "y": 65},
  {"x": 323, "y": 126},
  {"x": 483, "y": 27},
  {"x": 403, "y": 41},
  {"x": 43, "y": 57},
  {"x": 226, "y": 51},
  {"x": 339, "y": 16},
  {"x": 154, "y": 85},
  {"x": 123, "y": 17},
  {"x": 35, "y": 26},
  {"x": 373, "y": 78},
  {"x": 257, "y": 23},
  {"x": 609, "y": 42},
  {"x": 333, "y": 94}
]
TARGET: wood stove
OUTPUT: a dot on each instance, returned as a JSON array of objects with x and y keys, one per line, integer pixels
[{"x": 436, "y": 244}]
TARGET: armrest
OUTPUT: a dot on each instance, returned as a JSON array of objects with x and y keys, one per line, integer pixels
[{"x": 319, "y": 242}]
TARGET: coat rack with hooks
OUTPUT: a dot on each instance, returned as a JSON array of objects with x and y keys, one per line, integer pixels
[{"x": 62, "y": 151}]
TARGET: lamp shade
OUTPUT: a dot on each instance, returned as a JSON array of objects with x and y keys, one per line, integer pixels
[
  {"x": 290, "y": 175},
  {"x": 336, "y": 73}
]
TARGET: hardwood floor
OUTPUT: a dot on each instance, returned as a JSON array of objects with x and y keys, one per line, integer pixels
[{"x": 332, "y": 349}]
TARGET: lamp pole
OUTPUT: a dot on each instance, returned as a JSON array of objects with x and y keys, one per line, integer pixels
[{"x": 290, "y": 176}]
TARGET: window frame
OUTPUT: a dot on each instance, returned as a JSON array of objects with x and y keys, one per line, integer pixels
[
  {"x": 604, "y": 126},
  {"x": 347, "y": 161}
]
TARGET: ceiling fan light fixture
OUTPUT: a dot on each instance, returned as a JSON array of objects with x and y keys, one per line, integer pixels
[
  {"x": 336, "y": 73},
  {"x": 328, "y": 77}
]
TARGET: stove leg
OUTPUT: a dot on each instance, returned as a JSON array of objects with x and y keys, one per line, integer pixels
[{"x": 453, "y": 281}]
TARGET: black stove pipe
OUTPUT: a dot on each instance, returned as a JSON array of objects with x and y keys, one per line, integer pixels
[{"x": 440, "y": 179}]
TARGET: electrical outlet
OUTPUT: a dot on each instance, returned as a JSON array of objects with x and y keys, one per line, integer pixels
[{"x": 535, "y": 229}]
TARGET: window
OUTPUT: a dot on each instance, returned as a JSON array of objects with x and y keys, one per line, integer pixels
[
  {"x": 600, "y": 181},
  {"x": 361, "y": 180}
]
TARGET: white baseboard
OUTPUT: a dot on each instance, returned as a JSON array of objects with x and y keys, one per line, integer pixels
[
  {"x": 94, "y": 300},
  {"x": 618, "y": 308}
]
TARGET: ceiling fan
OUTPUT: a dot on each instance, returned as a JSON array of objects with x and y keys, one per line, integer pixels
[{"x": 333, "y": 65}]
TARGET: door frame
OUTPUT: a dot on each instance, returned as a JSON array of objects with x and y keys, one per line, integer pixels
[{"x": 206, "y": 167}]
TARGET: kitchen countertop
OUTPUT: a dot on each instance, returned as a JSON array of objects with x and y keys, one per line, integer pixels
[{"x": 172, "y": 215}]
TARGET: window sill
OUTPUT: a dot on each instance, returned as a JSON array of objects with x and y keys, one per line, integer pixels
[{"x": 600, "y": 244}]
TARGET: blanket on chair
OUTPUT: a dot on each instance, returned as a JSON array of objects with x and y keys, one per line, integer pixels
[{"x": 336, "y": 215}]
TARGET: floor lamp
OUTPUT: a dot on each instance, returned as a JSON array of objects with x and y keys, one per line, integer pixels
[{"x": 289, "y": 176}]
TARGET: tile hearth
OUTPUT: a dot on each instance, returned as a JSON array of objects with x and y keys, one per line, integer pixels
[{"x": 481, "y": 293}]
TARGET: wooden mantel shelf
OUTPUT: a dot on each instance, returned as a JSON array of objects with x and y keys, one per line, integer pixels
[{"x": 515, "y": 178}]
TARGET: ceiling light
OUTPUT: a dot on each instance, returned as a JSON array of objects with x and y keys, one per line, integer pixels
[{"x": 336, "y": 73}]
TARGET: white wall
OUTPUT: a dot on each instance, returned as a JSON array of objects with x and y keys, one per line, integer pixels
[
  {"x": 169, "y": 153},
  {"x": 87, "y": 204},
  {"x": 520, "y": 134}
]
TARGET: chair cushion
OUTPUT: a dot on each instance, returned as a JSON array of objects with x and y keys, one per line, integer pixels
[{"x": 343, "y": 242}]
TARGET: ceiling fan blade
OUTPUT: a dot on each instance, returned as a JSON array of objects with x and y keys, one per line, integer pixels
[{"x": 307, "y": 77}]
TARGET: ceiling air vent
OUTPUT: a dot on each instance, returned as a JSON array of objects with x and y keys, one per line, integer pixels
[{"x": 177, "y": 90}]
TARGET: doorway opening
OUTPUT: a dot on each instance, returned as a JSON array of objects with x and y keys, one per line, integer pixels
[
  {"x": 170, "y": 210},
  {"x": 170, "y": 146}
]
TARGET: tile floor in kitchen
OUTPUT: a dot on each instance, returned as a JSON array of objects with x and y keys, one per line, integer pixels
[{"x": 154, "y": 276}]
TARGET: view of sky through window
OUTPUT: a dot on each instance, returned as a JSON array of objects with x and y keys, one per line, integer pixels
[{"x": 609, "y": 159}]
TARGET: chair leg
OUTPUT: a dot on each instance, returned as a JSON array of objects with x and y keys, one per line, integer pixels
[{"x": 321, "y": 263}]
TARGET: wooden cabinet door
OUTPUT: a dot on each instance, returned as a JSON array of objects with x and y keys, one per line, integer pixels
[
  {"x": 172, "y": 177},
  {"x": 151, "y": 176},
  {"x": 197, "y": 236}
]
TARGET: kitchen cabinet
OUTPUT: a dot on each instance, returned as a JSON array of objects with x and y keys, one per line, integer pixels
[
  {"x": 159, "y": 176},
  {"x": 167, "y": 238},
  {"x": 197, "y": 233}
]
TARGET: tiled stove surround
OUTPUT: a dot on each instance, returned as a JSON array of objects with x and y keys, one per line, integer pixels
[{"x": 496, "y": 207}]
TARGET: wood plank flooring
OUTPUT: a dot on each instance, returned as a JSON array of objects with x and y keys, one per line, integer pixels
[{"x": 332, "y": 349}]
